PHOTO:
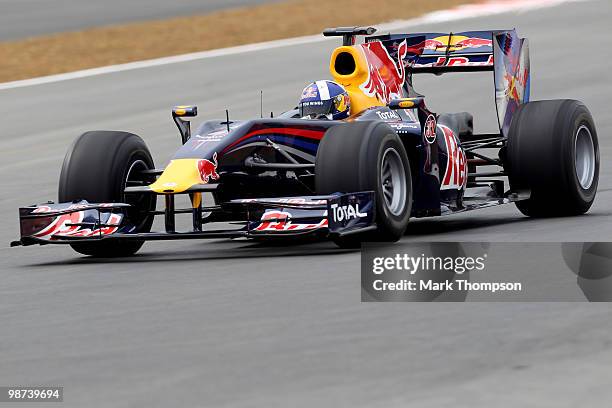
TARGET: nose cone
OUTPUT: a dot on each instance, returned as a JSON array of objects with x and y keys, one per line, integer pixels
[{"x": 180, "y": 175}]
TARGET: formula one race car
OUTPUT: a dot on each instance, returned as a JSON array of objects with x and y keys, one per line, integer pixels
[{"x": 352, "y": 180}]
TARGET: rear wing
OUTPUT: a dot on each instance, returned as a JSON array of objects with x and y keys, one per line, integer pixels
[
  {"x": 438, "y": 53},
  {"x": 502, "y": 52}
]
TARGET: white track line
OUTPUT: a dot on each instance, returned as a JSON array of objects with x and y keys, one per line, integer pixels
[{"x": 487, "y": 8}]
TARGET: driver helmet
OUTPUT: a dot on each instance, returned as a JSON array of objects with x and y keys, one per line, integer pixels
[{"x": 324, "y": 100}]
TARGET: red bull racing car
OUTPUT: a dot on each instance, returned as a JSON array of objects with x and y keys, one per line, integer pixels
[{"x": 357, "y": 179}]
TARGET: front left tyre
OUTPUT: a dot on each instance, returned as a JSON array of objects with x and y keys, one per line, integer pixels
[
  {"x": 367, "y": 156},
  {"x": 98, "y": 166}
]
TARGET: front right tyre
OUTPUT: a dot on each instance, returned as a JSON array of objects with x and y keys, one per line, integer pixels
[{"x": 98, "y": 166}]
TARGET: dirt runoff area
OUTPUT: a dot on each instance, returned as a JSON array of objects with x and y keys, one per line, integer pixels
[{"x": 71, "y": 51}]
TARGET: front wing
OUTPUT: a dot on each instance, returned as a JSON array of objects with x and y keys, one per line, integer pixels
[{"x": 336, "y": 214}]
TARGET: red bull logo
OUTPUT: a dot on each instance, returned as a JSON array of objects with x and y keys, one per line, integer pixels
[
  {"x": 455, "y": 176},
  {"x": 515, "y": 85},
  {"x": 208, "y": 169},
  {"x": 113, "y": 219},
  {"x": 386, "y": 76},
  {"x": 512, "y": 91},
  {"x": 473, "y": 42},
  {"x": 60, "y": 224},
  {"x": 457, "y": 43},
  {"x": 63, "y": 225},
  {"x": 275, "y": 220}
]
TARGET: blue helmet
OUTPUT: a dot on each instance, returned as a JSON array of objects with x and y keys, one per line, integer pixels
[{"x": 324, "y": 100}]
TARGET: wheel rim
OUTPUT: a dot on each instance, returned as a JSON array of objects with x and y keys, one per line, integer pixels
[
  {"x": 393, "y": 181},
  {"x": 133, "y": 176},
  {"x": 140, "y": 202},
  {"x": 585, "y": 157}
]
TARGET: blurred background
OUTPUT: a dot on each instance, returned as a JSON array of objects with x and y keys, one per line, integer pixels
[
  {"x": 28, "y": 18},
  {"x": 43, "y": 37}
]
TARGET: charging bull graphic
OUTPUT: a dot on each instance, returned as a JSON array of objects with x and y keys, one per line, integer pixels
[
  {"x": 457, "y": 43},
  {"x": 386, "y": 76},
  {"x": 208, "y": 169}
]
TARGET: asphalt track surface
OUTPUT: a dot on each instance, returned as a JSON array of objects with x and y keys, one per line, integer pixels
[
  {"x": 26, "y": 18},
  {"x": 236, "y": 324}
]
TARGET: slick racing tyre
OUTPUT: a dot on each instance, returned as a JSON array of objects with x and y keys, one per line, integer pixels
[
  {"x": 367, "y": 156},
  {"x": 97, "y": 168},
  {"x": 554, "y": 153}
]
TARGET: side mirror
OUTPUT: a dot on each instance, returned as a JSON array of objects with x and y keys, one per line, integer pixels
[
  {"x": 184, "y": 127},
  {"x": 187, "y": 111},
  {"x": 407, "y": 103}
]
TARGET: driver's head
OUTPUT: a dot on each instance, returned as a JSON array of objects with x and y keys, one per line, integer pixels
[{"x": 324, "y": 100}]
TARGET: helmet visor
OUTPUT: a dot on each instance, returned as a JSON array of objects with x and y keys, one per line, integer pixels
[{"x": 314, "y": 109}]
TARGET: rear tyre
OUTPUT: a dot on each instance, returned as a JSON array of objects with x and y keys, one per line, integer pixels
[
  {"x": 367, "y": 156},
  {"x": 97, "y": 168},
  {"x": 553, "y": 152}
]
